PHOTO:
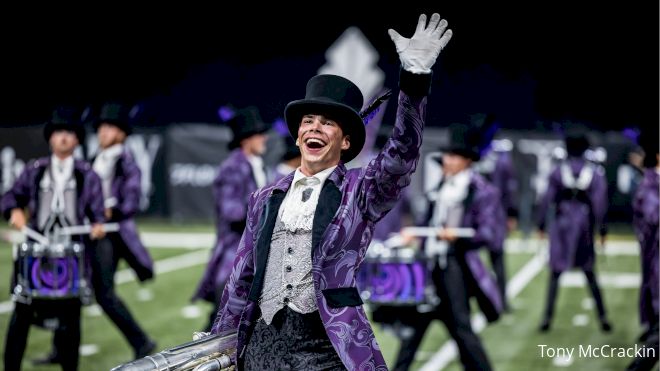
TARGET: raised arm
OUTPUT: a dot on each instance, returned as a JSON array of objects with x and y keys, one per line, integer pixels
[{"x": 388, "y": 173}]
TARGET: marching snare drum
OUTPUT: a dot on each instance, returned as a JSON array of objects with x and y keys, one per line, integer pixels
[
  {"x": 396, "y": 276},
  {"x": 54, "y": 271}
]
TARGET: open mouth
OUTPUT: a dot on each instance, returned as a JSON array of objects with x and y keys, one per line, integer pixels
[{"x": 314, "y": 144}]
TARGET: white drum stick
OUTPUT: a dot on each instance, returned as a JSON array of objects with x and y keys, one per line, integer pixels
[
  {"x": 432, "y": 231},
  {"x": 29, "y": 232},
  {"x": 87, "y": 228}
]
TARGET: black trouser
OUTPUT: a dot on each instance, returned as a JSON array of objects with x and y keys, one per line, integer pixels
[
  {"x": 652, "y": 342},
  {"x": 552, "y": 296},
  {"x": 105, "y": 257},
  {"x": 67, "y": 342},
  {"x": 454, "y": 311},
  {"x": 497, "y": 261}
]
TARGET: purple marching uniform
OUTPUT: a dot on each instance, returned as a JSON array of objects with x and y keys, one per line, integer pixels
[
  {"x": 646, "y": 206},
  {"x": 578, "y": 191},
  {"x": 353, "y": 201},
  {"x": 121, "y": 185},
  {"x": 32, "y": 191},
  {"x": 459, "y": 274},
  {"x": 125, "y": 189},
  {"x": 231, "y": 190},
  {"x": 646, "y": 210}
]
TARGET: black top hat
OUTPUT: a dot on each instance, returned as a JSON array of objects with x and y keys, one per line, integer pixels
[
  {"x": 337, "y": 97},
  {"x": 116, "y": 114},
  {"x": 246, "y": 123},
  {"x": 471, "y": 140},
  {"x": 65, "y": 118},
  {"x": 464, "y": 141},
  {"x": 576, "y": 143}
]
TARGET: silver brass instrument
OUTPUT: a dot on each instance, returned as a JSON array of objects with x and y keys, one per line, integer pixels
[{"x": 210, "y": 353}]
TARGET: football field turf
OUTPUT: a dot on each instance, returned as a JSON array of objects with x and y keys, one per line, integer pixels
[{"x": 164, "y": 310}]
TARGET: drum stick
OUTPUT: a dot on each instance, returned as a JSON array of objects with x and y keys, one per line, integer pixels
[
  {"x": 432, "y": 231},
  {"x": 29, "y": 232},
  {"x": 87, "y": 228}
]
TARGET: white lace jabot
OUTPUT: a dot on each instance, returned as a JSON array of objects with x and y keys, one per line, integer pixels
[{"x": 299, "y": 205}]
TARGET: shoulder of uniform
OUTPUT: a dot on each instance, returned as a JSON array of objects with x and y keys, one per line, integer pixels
[{"x": 40, "y": 162}]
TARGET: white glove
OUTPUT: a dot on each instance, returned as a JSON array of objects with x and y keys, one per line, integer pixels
[{"x": 418, "y": 54}]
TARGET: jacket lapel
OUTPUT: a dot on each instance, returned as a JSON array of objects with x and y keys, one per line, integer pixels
[
  {"x": 264, "y": 236},
  {"x": 329, "y": 202}
]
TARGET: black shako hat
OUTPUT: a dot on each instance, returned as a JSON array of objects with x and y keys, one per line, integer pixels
[
  {"x": 337, "y": 97},
  {"x": 245, "y": 123},
  {"x": 116, "y": 114},
  {"x": 65, "y": 118}
]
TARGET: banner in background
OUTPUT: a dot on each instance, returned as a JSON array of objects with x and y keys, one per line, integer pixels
[{"x": 180, "y": 162}]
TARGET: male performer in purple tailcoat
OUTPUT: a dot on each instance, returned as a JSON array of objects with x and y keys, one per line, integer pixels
[
  {"x": 578, "y": 191},
  {"x": 463, "y": 199},
  {"x": 55, "y": 190},
  {"x": 292, "y": 294},
  {"x": 120, "y": 181},
  {"x": 646, "y": 216},
  {"x": 240, "y": 174}
]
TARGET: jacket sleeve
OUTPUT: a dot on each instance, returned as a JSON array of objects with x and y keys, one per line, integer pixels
[
  {"x": 390, "y": 171},
  {"x": 599, "y": 200},
  {"x": 130, "y": 191},
  {"x": 548, "y": 199},
  {"x": 94, "y": 203},
  {"x": 18, "y": 195},
  {"x": 228, "y": 190},
  {"x": 236, "y": 291},
  {"x": 488, "y": 220}
]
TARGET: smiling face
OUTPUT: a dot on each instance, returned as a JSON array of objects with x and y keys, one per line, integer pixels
[{"x": 321, "y": 141}]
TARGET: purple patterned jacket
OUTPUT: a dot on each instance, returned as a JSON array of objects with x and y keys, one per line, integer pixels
[
  {"x": 572, "y": 233},
  {"x": 645, "y": 219},
  {"x": 126, "y": 189},
  {"x": 25, "y": 191},
  {"x": 231, "y": 190},
  {"x": 350, "y": 204},
  {"x": 484, "y": 213}
]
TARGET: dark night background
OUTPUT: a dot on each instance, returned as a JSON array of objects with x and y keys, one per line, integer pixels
[{"x": 530, "y": 64}]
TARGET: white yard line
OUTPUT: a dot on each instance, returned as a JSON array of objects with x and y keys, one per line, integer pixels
[
  {"x": 609, "y": 280},
  {"x": 525, "y": 275}
]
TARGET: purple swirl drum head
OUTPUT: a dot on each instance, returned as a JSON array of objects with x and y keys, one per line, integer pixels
[
  {"x": 54, "y": 277},
  {"x": 397, "y": 283}
]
